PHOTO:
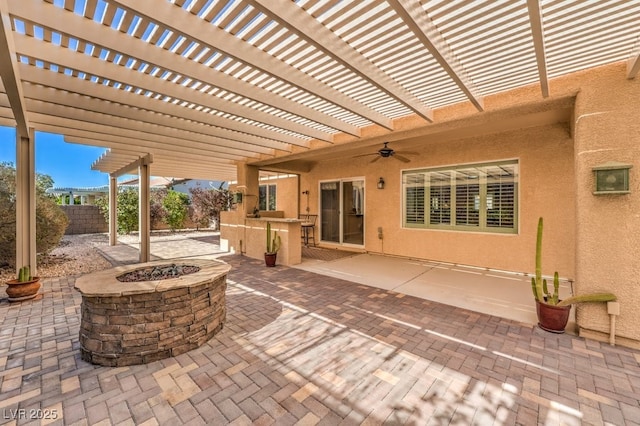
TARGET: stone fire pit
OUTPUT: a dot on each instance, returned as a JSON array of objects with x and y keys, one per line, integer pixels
[{"x": 126, "y": 323}]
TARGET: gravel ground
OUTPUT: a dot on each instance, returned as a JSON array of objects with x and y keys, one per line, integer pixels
[{"x": 76, "y": 254}]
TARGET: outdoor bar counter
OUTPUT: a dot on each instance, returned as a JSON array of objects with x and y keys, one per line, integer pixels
[{"x": 249, "y": 236}]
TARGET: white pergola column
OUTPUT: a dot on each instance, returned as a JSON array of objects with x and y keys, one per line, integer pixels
[
  {"x": 113, "y": 210},
  {"x": 26, "y": 201},
  {"x": 144, "y": 222}
]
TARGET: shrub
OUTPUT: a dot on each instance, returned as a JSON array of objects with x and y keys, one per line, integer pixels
[
  {"x": 127, "y": 210},
  {"x": 175, "y": 204},
  {"x": 157, "y": 212},
  {"x": 207, "y": 205},
  {"x": 51, "y": 222}
]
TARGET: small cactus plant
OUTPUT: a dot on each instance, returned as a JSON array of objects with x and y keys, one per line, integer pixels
[{"x": 24, "y": 274}]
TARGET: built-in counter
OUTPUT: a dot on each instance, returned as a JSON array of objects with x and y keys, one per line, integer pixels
[{"x": 249, "y": 236}]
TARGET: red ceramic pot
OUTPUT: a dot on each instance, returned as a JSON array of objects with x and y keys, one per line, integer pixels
[
  {"x": 270, "y": 259},
  {"x": 552, "y": 318},
  {"x": 18, "y": 291}
]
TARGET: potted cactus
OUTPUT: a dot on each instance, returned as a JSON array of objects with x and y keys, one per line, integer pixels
[
  {"x": 553, "y": 313},
  {"x": 24, "y": 287},
  {"x": 273, "y": 245}
]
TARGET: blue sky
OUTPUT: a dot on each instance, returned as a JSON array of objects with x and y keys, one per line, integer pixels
[{"x": 68, "y": 164}]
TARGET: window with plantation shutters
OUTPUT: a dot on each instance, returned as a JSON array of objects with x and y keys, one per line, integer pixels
[
  {"x": 501, "y": 197},
  {"x": 414, "y": 198},
  {"x": 480, "y": 197},
  {"x": 467, "y": 198},
  {"x": 440, "y": 198}
]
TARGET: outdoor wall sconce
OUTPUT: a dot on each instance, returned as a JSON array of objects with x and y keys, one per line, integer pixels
[
  {"x": 237, "y": 197},
  {"x": 381, "y": 183},
  {"x": 611, "y": 178}
]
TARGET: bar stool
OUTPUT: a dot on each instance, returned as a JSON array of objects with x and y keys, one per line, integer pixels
[{"x": 308, "y": 228}]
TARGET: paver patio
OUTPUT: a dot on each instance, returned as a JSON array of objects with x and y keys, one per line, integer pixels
[{"x": 302, "y": 348}]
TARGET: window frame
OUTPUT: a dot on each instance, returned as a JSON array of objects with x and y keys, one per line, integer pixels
[
  {"x": 271, "y": 191},
  {"x": 449, "y": 220}
]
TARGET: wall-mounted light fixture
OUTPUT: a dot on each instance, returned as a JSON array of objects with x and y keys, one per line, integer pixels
[
  {"x": 306, "y": 192},
  {"x": 611, "y": 178},
  {"x": 381, "y": 183},
  {"x": 237, "y": 197}
]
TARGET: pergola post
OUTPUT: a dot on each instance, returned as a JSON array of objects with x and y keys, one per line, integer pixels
[
  {"x": 26, "y": 201},
  {"x": 113, "y": 210},
  {"x": 248, "y": 183},
  {"x": 144, "y": 224}
]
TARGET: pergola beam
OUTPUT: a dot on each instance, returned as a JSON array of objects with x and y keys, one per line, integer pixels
[
  {"x": 164, "y": 124},
  {"x": 127, "y": 169},
  {"x": 421, "y": 25},
  {"x": 10, "y": 74},
  {"x": 164, "y": 13},
  {"x": 225, "y": 127},
  {"x": 322, "y": 38},
  {"x": 84, "y": 29},
  {"x": 65, "y": 57},
  {"x": 66, "y": 115},
  {"x": 537, "y": 32},
  {"x": 633, "y": 64}
]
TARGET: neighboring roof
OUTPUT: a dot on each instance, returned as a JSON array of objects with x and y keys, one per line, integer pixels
[
  {"x": 154, "y": 181},
  {"x": 78, "y": 191},
  {"x": 203, "y": 84},
  {"x": 86, "y": 190}
]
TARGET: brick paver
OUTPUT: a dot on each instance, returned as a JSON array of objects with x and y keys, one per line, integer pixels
[{"x": 301, "y": 348}]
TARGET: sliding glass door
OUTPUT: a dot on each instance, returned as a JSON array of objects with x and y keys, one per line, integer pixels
[{"x": 342, "y": 211}]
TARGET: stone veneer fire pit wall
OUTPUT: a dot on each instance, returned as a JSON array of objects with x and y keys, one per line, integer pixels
[{"x": 127, "y": 323}]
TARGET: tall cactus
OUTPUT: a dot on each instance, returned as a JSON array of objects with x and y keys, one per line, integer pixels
[
  {"x": 269, "y": 237},
  {"x": 538, "y": 285},
  {"x": 541, "y": 292},
  {"x": 273, "y": 244}
]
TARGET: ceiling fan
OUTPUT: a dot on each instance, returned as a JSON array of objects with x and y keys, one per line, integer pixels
[{"x": 386, "y": 152}]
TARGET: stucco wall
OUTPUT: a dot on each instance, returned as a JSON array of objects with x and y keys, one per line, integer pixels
[
  {"x": 546, "y": 189},
  {"x": 286, "y": 195},
  {"x": 607, "y": 129}
]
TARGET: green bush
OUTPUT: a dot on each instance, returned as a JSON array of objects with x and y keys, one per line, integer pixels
[
  {"x": 127, "y": 210},
  {"x": 176, "y": 207},
  {"x": 51, "y": 222}
]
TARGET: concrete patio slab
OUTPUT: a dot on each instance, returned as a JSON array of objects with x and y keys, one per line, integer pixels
[{"x": 499, "y": 293}]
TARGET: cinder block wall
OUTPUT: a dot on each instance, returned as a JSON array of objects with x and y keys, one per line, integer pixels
[{"x": 85, "y": 220}]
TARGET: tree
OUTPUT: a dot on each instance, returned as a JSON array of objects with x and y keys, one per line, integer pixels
[
  {"x": 51, "y": 222},
  {"x": 207, "y": 205},
  {"x": 176, "y": 207}
]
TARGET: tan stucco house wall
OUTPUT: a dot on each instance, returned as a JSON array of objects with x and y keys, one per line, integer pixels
[
  {"x": 546, "y": 188},
  {"x": 607, "y": 128}
]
